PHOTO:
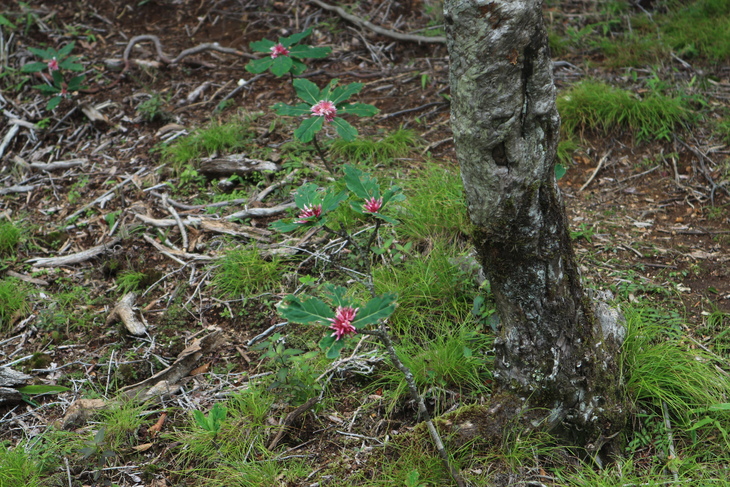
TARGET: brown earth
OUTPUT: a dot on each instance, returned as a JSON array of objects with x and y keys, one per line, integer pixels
[{"x": 648, "y": 223}]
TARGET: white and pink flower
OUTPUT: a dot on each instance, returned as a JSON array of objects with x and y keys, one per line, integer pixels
[
  {"x": 342, "y": 322},
  {"x": 309, "y": 212},
  {"x": 325, "y": 109},
  {"x": 53, "y": 65},
  {"x": 279, "y": 50},
  {"x": 372, "y": 205}
]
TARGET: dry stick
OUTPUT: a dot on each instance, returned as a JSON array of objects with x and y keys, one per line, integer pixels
[
  {"x": 72, "y": 258},
  {"x": 105, "y": 195},
  {"x": 423, "y": 413},
  {"x": 290, "y": 418},
  {"x": 379, "y": 30},
  {"x": 598, "y": 168},
  {"x": 180, "y": 225}
]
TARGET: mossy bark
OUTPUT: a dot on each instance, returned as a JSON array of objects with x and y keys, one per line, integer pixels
[{"x": 552, "y": 351}]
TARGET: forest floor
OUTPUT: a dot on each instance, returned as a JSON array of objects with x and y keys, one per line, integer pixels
[{"x": 650, "y": 218}]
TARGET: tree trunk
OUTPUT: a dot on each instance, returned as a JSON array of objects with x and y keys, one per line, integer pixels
[{"x": 553, "y": 350}]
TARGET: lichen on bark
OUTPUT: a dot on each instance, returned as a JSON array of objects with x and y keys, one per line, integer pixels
[{"x": 551, "y": 350}]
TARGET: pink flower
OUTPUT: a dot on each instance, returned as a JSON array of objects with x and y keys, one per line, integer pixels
[
  {"x": 278, "y": 50},
  {"x": 53, "y": 65},
  {"x": 308, "y": 212},
  {"x": 325, "y": 109},
  {"x": 372, "y": 205},
  {"x": 342, "y": 322}
]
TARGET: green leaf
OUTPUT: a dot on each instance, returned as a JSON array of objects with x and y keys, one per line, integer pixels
[
  {"x": 393, "y": 193},
  {"x": 307, "y": 195},
  {"x": 74, "y": 84},
  {"x": 385, "y": 218},
  {"x": 293, "y": 111},
  {"x": 308, "y": 128},
  {"x": 309, "y": 52},
  {"x": 374, "y": 310},
  {"x": 331, "y": 200},
  {"x": 359, "y": 109},
  {"x": 43, "y": 53},
  {"x": 4, "y": 21},
  {"x": 336, "y": 294},
  {"x": 42, "y": 389},
  {"x": 298, "y": 67},
  {"x": 218, "y": 413},
  {"x": 331, "y": 346},
  {"x": 70, "y": 65},
  {"x": 66, "y": 50},
  {"x": 363, "y": 185},
  {"x": 281, "y": 65},
  {"x": 344, "y": 129},
  {"x": 47, "y": 89},
  {"x": 308, "y": 310},
  {"x": 342, "y": 93},
  {"x": 294, "y": 38},
  {"x": 560, "y": 171},
  {"x": 259, "y": 65},
  {"x": 200, "y": 419},
  {"x": 264, "y": 45},
  {"x": 53, "y": 103},
  {"x": 285, "y": 226},
  {"x": 34, "y": 67},
  {"x": 57, "y": 78},
  {"x": 307, "y": 91}
]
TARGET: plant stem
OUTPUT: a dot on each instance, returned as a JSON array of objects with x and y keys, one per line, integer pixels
[
  {"x": 322, "y": 155},
  {"x": 423, "y": 413},
  {"x": 363, "y": 251}
]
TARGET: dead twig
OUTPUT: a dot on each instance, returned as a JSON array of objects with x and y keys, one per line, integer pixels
[
  {"x": 82, "y": 256},
  {"x": 379, "y": 30},
  {"x": 124, "y": 312},
  {"x": 290, "y": 418},
  {"x": 598, "y": 168}
]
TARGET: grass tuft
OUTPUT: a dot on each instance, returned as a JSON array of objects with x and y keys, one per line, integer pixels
[
  {"x": 14, "y": 301},
  {"x": 244, "y": 272},
  {"x": 593, "y": 105},
  {"x": 370, "y": 151}
]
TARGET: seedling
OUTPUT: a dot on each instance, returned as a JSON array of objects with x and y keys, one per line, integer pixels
[
  {"x": 56, "y": 62},
  {"x": 212, "y": 422},
  {"x": 322, "y": 106},
  {"x": 285, "y": 55}
]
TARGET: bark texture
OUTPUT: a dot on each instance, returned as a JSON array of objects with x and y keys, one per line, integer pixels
[{"x": 553, "y": 351}]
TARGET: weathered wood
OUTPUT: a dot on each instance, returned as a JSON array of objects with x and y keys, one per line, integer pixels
[
  {"x": 82, "y": 256},
  {"x": 551, "y": 350},
  {"x": 237, "y": 164},
  {"x": 124, "y": 312},
  {"x": 8, "y": 395},
  {"x": 11, "y": 378}
]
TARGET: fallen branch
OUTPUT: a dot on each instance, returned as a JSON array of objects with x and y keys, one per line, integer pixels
[
  {"x": 260, "y": 212},
  {"x": 290, "y": 418},
  {"x": 167, "y": 380},
  {"x": 106, "y": 195},
  {"x": 598, "y": 168},
  {"x": 124, "y": 312},
  {"x": 379, "y": 30},
  {"x": 82, "y": 256}
]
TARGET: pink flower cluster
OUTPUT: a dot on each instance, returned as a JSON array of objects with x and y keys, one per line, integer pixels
[
  {"x": 372, "y": 205},
  {"x": 278, "y": 50},
  {"x": 342, "y": 322},
  {"x": 308, "y": 212},
  {"x": 53, "y": 65},
  {"x": 325, "y": 109}
]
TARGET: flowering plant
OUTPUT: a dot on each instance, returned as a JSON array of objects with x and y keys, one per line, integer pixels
[
  {"x": 366, "y": 198},
  {"x": 345, "y": 319},
  {"x": 325, "y": 105},
  {"x": 56, "y": 62},
  {"x": 313, "y": 205},
  {"x": 285, "y": 55}
]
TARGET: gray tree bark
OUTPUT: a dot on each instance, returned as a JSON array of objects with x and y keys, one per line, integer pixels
[{"x": 554, "y": 350}]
